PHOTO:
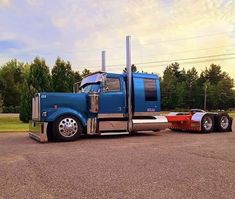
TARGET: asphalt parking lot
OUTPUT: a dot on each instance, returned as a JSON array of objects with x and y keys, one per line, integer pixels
[{"x": 152, "y": 165}]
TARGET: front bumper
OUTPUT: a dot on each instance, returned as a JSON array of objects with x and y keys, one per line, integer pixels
[{"x": 38, "y": 131}]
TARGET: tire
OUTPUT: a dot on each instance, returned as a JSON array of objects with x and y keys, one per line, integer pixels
[
  {"x": 208, "y": 123},
  {"x": 223, "y": 122},
  {"x": 67, "y": 128}
]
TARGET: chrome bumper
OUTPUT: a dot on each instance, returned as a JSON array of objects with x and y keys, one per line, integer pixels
[{"x": 38, "y": 131}]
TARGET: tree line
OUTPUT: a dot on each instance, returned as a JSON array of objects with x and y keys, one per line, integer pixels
[
  {"x": 180, "y": 89},
  {"x": 19, "y": 82}
]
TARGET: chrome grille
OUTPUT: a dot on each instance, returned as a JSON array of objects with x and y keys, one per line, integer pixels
[{"x": 36, "y": 107}]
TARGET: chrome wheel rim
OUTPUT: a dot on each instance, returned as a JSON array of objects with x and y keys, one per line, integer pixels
[
  {"x": 224, "y": 122},
  {"x": 68, "y": 127},
  {"x": 207, "y": 123}
]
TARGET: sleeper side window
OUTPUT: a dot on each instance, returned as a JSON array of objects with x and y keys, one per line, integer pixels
[
  {"x": 112, "y": 84},
  {"x": 150, "y": 90}
]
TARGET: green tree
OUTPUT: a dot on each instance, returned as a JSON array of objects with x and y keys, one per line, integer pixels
[
  {"x": 39, "y": 76},
  {"x": 213, "y": 74},
  {"x": 77, "y": 76},
  {"x": 63, "y": 77},
  {"x": 192, "y": 89},
  {"x": 26, "y": 105},
  {"x": 26, "y": 97},
  {"x": 220, "y": 94},
  {"x": 36, "y": 79},
  {"x": 133, "y": 69},
  {"x": 85, "y": 72},
  {"x": 168, "y": 89},
  {"x": 1, "y": 103},
  {"x": 11, "y": 79},
  {"x": 173, "y": 89}
]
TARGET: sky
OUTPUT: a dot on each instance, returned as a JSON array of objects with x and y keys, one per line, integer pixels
[{"x": 193, "y": 33}]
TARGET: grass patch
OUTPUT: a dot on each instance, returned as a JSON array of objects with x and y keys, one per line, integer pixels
[
  {"x": 232, "y": 114},
  {"x": 11, "y": 123}
]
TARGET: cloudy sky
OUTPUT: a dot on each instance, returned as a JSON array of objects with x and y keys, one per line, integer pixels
[{"x": 194, "y": 33}]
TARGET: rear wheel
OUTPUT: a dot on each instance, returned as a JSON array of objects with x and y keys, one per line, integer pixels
[
  {"x": 67, "y": 128},
  {"x": 224, "y": 122},
  {"x": 207, "y": 123}
]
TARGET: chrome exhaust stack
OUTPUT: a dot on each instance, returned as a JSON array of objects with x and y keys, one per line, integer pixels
[{"x": 129, "y": 83}]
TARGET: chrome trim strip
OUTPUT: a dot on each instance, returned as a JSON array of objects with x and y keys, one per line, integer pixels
[
  {"x": 115, "y": 133},
  {"x": 146, "y": 113},
  {"x": 110, "y": 115}
]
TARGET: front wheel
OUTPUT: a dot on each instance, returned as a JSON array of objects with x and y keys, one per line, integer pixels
[
  {"x": 67, "y": 128},
  {"x": 207, "y": 123}
]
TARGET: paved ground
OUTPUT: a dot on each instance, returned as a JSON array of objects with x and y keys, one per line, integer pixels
[{"x": 159, "y": 165}]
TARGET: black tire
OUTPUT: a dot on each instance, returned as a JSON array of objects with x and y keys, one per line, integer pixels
[
  {"x": 67, "y": 128},
  {"x": 208, "y": 123},
  {"x": 223, "y": 122}
]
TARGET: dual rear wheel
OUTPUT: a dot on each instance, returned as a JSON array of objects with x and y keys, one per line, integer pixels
[{"x": 221, "y": 122}]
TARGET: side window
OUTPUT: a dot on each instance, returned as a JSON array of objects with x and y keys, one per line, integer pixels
[
  {"x": 150, "y": 90},
  {"x": 112, "y": 84}
]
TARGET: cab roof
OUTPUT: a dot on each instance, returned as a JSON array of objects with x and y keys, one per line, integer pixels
[{"x": 97, "y": 76}]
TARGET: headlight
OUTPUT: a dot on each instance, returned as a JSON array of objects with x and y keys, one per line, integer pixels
[{"x": 44, "y": 114}]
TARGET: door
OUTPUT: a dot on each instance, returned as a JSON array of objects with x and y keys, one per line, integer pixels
[{"x": 112, "y": 103}]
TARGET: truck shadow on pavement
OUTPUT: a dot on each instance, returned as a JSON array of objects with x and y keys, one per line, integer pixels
[
  {"x": 147, "y": 134},
  {"x": 199, "y": 133}
]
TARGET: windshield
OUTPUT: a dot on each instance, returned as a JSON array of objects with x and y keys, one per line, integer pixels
[{"x": 91, "y": 88}]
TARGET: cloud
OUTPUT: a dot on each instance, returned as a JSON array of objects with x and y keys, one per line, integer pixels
[
  {"x": 5, "y": 3},
  {"x": 161, "y": 30},
  {"x": 34, "y": 2}
]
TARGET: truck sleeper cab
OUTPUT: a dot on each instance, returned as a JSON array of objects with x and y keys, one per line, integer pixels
[{"x": 101, "y": 107}]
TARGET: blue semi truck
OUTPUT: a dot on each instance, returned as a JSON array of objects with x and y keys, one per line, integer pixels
[{"x": 113, "y": 103}]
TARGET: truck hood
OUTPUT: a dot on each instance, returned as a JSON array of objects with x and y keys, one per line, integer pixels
[{"x": 51, "y": 102}]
